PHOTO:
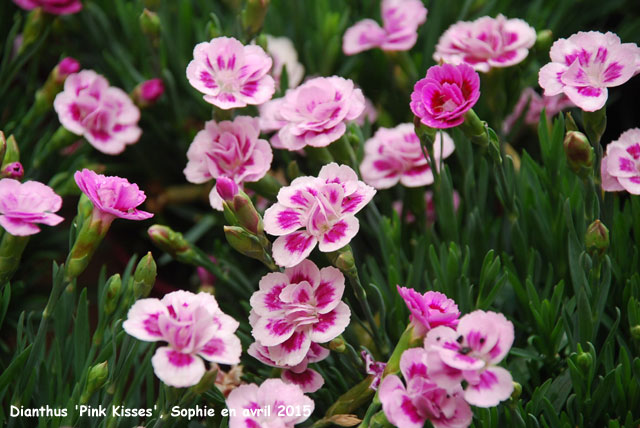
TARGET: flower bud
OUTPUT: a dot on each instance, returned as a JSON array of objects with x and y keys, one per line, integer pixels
[
  {"x": 475, "y": 129},
  {"x": 351, "y": 400},
  {"x": 147, "y": 92},
  {"x": 244, "y": 242},
  {"x": 13, "y": 170},
  {"x": 584, "y": 360},
  {"x": 3, "y": 146},
  {"x": 226, "y": 188},
  {"x": 114, "y": 287},
  {"x": 253, "y": 15},
  {"x": 144, "y": 276},
  {"x": 95, "y": 380},
  {"x": 246, "y": 214},
  {"x": 11, "y": 152},
  {"x": 33, "y": 28},
  {"x": 595, "y": 122},
  {"x": 635, "y": 332},
  {"x": 338, "y": 345},
  {"x": 597, "y": 238},
  {"x": 343, "y": 259},
  {"x": 517, "y": 391},
  {"x": 580, "y": 154},
  {"x": 150, "y": 23},
  {"x": 173, "y": 243},
  {"x": 64, "y": 68},
  {"x": 544, "y": 39}
]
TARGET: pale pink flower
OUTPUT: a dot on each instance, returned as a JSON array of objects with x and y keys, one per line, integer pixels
[
  {"x": 409, "y": 217},
  {"x": 103, "y": 114},
  {"x": 486, "y": 43},
  {"x": 22, "y": 205},
  {"x": 585, "y": 65},
  {"x": 284, "y": 54},
  {"x": 429, "y": 310},
  {"x": 401, "y": 19},
  {"x": 300, "y": 374},
  {"x": 421, "y": 399},
  {"x": 112, "y": 196},
  {"x": 369, "y": 113},
  {"x": 470, "y": 354},
  {"x": 535, "y": 103},
  {"x": 316, "y": 111},
  {"x": 373, "y": 368},
  {"x": 194, "y": 328},
  {"x": 395, "y": 155},
  {"x": 294, "y": 309},
  {"x": 324, "y": 207},
  {"x": 231, "y": 75},
  {"x": 230, "y": 149},
  {"x": 620, "y": 167},
  {"x": 54, "y": 7},
  {"x": 250, "y": 403},
  {"x": 442, "y": 98}
]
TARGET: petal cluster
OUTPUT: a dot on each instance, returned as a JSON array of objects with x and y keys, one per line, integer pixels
[
  {"x": 535, "y": 104},
  {"x": 112, "y": 196},
  {"x": 231, "y": 75},
  {"x": 585, "y": 65},
  {"x": 316, "y": 210},
  {"x": 401, "y": 19},
  {"x": 194, "y": 328},
  {"x": 54, "y": 7},
  {"x": 442, "y": 98},
  {"x": 294, "y": 309},
  {"x": 395, "y": 155},
  {"x": 429, "y": 310},
  {"x": 22, "y": 205},
  {"x": 231, "y": 149},
  {"x": 103, "y": 114},
  {"x": 620, "y": 167},
  {"x": 250, "y": 403},
  {"x": 486, "y": 43},
  {"x": 284, "y": 55}
]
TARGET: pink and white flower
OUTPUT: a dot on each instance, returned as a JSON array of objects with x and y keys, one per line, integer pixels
[
  {"x": 535, "y": 103},
  {"x": 22, "y": 205},
  {"x": 284, "y": 54},
  {"x": 273, "y": 394},
  {"x": 620, "y": 167},
  {"x": 401, "y": 19},
  {"x": 111, "y": 196},
  {"x": 486, "y": 43},
  {"x": 421, "y": 399},
  {"x": 231, "y": 75},
  {"x": 323, "y": 207},
  {"x": 442, "y": 98},
  {"x": 228, "y": 149},
  {"x": 314, "y": 113},
  {"x": 54, "y": 7},
  {"x": 429, "y": 310},
  {"x": 194, "y": 328},
  {"x": 470, "y": 354},
  {"x": 307, "y": 379},
  {"x": 585, "y": 65},
  {"x": 103, "y": 114},
  {"x": 395, "y": 155},
  {"x": 294, "y": 309},
  {"x": 373, "y": 368}
]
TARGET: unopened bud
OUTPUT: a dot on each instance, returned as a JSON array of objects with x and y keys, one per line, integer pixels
[
  {"x": 580, "y": 154},
  {"x": 253, "y": 15},
  {"x": 3, "y": 146},
  {"x": 343, "y": 259},
  {"x": 13, "y": 170},
  {"x": 244, "y": 242},
  {"x": 584, "y": 360},
  {"x": 144, "y": 276},
  {"x": 167, "y": 239},
  {"x": 147, "y": 92},
  {"x": 246, "y": 213},
  {"x": 226, "y": 188},
  {"x": 338, "y": 345},
  {"x": 475, "y": 129},
  {"x": 64, "y": 68},
  {"x": 95, "y": 380},
  {"x": 150, "y": 23},
  {"x": 544, "y": 38},
  {"x": 11, "y": 153},
  {"x": 206, "y": 381},
  {"x": 597, "y": 238},
  {"x": 635, "y": 332},
  {"x": 517, "y": 391},
  {"x": 114, "y": 287}
]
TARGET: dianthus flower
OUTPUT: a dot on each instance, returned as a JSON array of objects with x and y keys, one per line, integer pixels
[
  {"x": 429, "y": 310},
  {"x": 284, "y": 54},
  {"x": 22, "y": 205},
  {"x": 620, "y": 168},
  {"x": 535, "y": 103}
]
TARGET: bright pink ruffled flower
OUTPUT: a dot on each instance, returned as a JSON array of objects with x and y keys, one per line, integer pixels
[
  {"x": 422, "y": 399},
  {"x": 300, "y": 374},
  {"x": 373, "y": 368},
  {"x": 535, "y": 103},
  {"x": 284, "y": 54},
  {"x": 22, "y": 205},
  {"x": 486, "y": 43},
  {"x": 324, "y": 207},
  {"x": 442, "y": 98},
  {"x": 395, "y": 155},
  {"x": 194, "y": 327},
  {"x": 103, "y": 114},
  {"x": 429, "y": 310},
  {"x": 54, "y": 7},
  {"x": 585, "y": 65},
  {"x": 230, "y": 149},
  {"x": 401, "y": 19},
  {"x": 294, "y": 309},
  {"x": 65, "y": 68},
  {"x": 231, "y": 75},
  {"x": 620, "y": 167},
  {"x": 111, "y": 196},
  {"x": 316, "y": 111},
  {"x": 273, "y": 394},
  {"x": 470, "y": 354}
]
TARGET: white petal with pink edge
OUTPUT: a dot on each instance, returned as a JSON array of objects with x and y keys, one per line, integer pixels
[
  {"x": 331, "y": 324},
  {"x": 177, "y": 369},
  {"x": 142, "y": 320}
]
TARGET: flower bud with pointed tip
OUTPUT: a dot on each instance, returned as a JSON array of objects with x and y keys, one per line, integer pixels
[
  {"x": 580, "y": 154},
  {"x": 585, "y": 360},
  {"x": 96, "y": 378},
  {"x": 173, "y": 243},
  {"x": 244, "y": 242},
  {"x": 635, "y": 332},
  {"x": 11, "y": 152},
  {"x": 246, "y": 214},
  {"x": 338, "y": 345},
  {"x": 597, "y": 238},
  {"x": 13, "y": 170},
  {"x": 150, "y": 23},
  {"x": 517, "y": 391},
  {"x": 3, "y": 146},
  {"x": 227, "y": 188},
  {"x": 144, "y": 276},
  {"x": 544, "y": 39},
  {"x": 114, "y": 287}
]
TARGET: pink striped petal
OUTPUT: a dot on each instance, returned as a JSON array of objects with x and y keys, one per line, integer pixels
[
  {"x": 495, "y": 385},
  {"x": 550, "y": 78},
  {"x": 340, "y": 234},
  {"x": 331, "y": 324},
  {"x": 223, "y": 350},
  {"x": 280, "y": 220},
  {"x": 586, "y": 97},
  {"x": 354, "y": 202},
  {"x": 308, "y": 380},
  {"x": 289, "y": 250},
  {"x": 177, "y": 369},
  {"x": 620, "y": 163},
  {"x": 413, "y": 363},
  {"x": 362, "y": 36},
  {"x": 142, "y": 320},
  {"x": 397, "y": 405},
  {"x": 609, "y": 183},
  {"x": 631, "y": 184},
  {"x": 292, "y": 351},
  {"x": 305, "y": 271},
  {"x": 267, "y": 300},
  {"x": 329, "y": 290},
  {"x": 271, "y": 331}
]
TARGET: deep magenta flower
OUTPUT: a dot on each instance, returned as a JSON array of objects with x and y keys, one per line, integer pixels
[
  {"x": 65, "y": 68},
  {"x": 429, "y": 310},
  {"x": 401, "y": 19},
  {"x": 470, "y": 354},
  {"x": 316, "y": 111},
  {"x": 194, "y": 327},
  {"x": 231, "y": 75},
  {"x": 585, "y": 65},
  {"x": 373, "y": 368},
  {"x": 103, "y": 114},
  {"x": 442, "y": 98},
  {"x": 111, "y": 196},
  {"x": 273, "y": 394},
  {"x": 535, "y": 103},
  {"x": 22, "y": 205},
  {"x": 294, "y": 309},
  {"x": 421, "y": 399},
  {"x": 230, "y": 149},
  {"x": 54, "y": 7},
  {"x": 620, "y": 167},
  {"x": 148, "y": 92},
  {"x": 395, "y": 155},
  {"x": 486, "y": 43},
  {"x": 324, "y": 207}
]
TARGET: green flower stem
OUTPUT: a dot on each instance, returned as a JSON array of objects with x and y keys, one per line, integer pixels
[
  {"x": 11, "y": 249},
  {"x": 343, "y": 152},
  {"x": 60, "y": 139},
  {"x": 321, "y": 155}
]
